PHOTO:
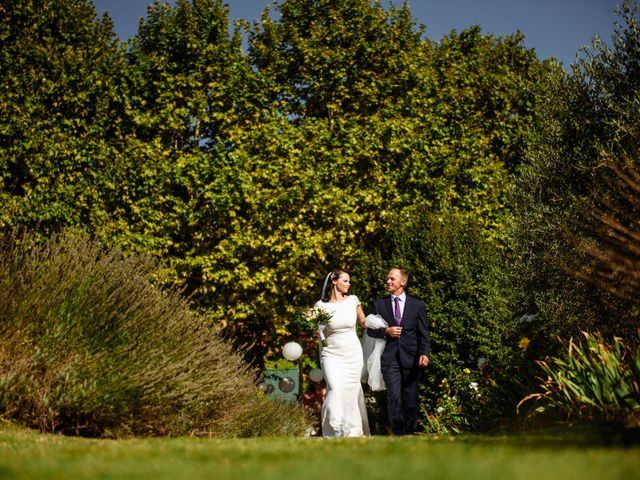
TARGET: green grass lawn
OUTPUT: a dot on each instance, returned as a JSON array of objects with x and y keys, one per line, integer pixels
[{"x": 535, "y": 456}]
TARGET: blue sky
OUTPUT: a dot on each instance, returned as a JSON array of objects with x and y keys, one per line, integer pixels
[{"x": 557, "y": 28}]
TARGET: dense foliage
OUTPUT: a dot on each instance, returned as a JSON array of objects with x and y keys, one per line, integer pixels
[
  {"x": 90, "y": 347},
  {"x": 575, "y": 233},
  {"x": 60, "y": 115},
  {"x": 251, "y": 175},
  {"x": 341, "y": 138},
  {"x": 573, "y": 203},
  {"x": 455, "y": 270}
]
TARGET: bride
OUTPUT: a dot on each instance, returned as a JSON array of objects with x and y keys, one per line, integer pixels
[{"x": 343, "y": 411}]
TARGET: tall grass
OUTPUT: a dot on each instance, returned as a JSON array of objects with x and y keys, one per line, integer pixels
[
  {"x": 596, "y": 380},
  {"x": 89, "y": 346}
]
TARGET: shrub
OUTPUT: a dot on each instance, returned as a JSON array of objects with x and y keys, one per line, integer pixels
[
  {"x": 458, "y": 406},
  {"x": 596, "y": 380},
  {"x": 90, "y": 347}
]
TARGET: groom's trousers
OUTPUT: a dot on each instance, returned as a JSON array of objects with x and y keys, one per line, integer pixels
[{"x": 402, "y": 397}]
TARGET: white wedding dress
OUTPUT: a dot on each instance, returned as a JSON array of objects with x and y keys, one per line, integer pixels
[{"x": 344, "y": 413}]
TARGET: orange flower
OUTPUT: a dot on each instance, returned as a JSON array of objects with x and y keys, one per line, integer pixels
[{"x": 524, "y": 343}]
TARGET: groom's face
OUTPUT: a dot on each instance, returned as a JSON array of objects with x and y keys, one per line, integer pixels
[{"x": 395, "y": 282}]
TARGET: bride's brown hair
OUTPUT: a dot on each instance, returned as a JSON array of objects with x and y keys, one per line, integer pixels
[{"x": 328, "y": 283}]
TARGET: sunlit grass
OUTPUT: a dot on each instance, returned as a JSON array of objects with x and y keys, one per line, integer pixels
[{"x": 27, "y": 454}]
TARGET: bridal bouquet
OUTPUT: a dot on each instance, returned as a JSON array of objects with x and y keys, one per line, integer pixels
[{"x": 315, "y": 320}]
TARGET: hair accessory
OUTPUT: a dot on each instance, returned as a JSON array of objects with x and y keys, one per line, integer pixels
[{"x": 326, "y": 282}]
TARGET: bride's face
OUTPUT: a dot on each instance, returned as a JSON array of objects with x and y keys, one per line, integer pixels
[{"x": 342, "y": 283}]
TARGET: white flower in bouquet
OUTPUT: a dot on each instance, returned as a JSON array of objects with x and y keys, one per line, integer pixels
[{"x": 315, "y": 320}]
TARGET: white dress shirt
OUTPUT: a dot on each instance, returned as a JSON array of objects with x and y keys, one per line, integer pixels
[{"x": 403, "y": 298}]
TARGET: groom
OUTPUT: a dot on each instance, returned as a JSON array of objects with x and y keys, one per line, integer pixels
[{"x": 406, "y": 350}]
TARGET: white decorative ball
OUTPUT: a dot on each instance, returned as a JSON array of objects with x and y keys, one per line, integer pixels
[
  {"x": 292, "y": 351},
  {"x": 316, "y": 375}
]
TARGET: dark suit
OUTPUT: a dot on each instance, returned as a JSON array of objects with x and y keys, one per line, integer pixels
[{"x": 399, "y": 361}]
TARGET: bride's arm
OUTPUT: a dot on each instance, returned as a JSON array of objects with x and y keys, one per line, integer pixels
[{"x": 360, "y": 315}]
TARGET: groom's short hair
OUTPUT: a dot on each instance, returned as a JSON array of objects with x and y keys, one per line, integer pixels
[{"x": 403, "y": 274}]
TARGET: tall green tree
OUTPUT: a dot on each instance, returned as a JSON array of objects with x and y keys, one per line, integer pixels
[
  {"x": 330, "y": 60},
  {"x": 186, "y": 74},
  {"x": 188, "y": 79},
  {"x": 353, "y": 139},
  {"x": 252, "y": 175},
  {"x": 585, "y": 123},
  {"x": 61, "y": 111}
]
